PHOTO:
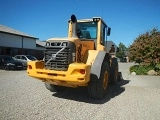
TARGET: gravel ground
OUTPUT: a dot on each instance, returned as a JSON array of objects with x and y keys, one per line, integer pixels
[{"x": 24, "y": 98}]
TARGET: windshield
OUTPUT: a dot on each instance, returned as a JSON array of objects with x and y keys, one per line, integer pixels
[
  {"x": 7, "y": 58},
  {"x": 31, "y": 57},
  {"x": 87, "y": 30}
]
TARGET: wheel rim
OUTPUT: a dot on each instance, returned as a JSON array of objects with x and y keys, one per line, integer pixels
[{"x": 105, "y": 80}]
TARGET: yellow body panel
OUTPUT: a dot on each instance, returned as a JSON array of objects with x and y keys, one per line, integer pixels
[
  {"x": 86, "y": 45},
  {"x": 71, "y": 78},
  {"x": 90, "y": 56},
  {"x": 101, "y": 47}
]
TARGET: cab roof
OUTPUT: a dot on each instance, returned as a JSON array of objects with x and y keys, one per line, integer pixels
[{"x": 91, "y": 20}]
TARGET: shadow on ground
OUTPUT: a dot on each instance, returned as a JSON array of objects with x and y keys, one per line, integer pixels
[{"x": 81, "y": 94}]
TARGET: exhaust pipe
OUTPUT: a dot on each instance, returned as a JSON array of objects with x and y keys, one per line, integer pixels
[{"x": 74, "y": 25}]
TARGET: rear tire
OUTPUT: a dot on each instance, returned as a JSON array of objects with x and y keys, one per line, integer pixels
[
  {"x": 113, "y": 71},
  {"x": 97, "y": 87},
  {"x": 53, "y": 88},
  {"x": 119, "y": 77}
]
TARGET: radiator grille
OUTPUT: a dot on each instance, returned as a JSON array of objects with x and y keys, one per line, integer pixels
[{"x": 57, "y": 56}]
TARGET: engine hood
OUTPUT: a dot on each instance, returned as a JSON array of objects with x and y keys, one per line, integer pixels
[{"x": 75, "y": 40}]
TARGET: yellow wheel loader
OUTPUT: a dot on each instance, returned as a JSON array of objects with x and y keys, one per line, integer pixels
[{"x": 79, "y": 60}]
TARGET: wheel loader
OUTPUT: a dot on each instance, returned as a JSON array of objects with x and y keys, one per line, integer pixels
[{"x": 81, "y": 59}]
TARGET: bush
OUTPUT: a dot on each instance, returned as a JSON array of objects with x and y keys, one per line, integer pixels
[
  {"x": 141, "y": 69},
  {"x": 157, "y": 67},
  {"x": 145, "y": 50}
]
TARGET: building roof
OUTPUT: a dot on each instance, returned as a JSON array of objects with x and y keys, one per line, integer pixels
[
  {"x": 41, "y": 43},
  {"x": 6, "y": 29}
]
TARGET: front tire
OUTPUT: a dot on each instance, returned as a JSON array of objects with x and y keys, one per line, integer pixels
[
  {"x": 97, "y": 87},
  {"x": 53, "y": 88}
]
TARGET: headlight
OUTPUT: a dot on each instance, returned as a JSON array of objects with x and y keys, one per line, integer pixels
[
  {"x": 64, "y": 44},
  {"x": 10, "y": 64},
  {"x": 47, "y": 44}
]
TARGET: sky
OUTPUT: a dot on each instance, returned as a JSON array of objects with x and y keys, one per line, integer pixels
[{"x": 46, "y": 19}]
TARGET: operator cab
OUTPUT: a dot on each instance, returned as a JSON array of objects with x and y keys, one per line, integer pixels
[{"x": 89, "y": 29}]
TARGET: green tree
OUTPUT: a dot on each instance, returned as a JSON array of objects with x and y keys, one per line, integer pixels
[
  {"x": 121, "y": 50},
  {"x": 146, "y": 48}
]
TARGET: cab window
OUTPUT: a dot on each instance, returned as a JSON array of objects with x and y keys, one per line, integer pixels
[
  {"x": 103, "y": 34},
  {"x": 87, "y": 30}
]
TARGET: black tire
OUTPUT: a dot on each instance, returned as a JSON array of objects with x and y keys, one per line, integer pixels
[
  {"x": 119, "y": 77},
  {"x": 5, "y": 67},
  {"x": 97, "y": 87},
  {"x": 53, "y": 88},
  {"x": 113, "y": 71}
]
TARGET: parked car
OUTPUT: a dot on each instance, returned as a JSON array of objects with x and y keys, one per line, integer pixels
[
  {"x": 8, "y": 63},
  {"x": 25, "y": 58}
]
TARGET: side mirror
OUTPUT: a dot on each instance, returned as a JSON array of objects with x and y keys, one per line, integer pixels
[{"x": 108, "y": 31}]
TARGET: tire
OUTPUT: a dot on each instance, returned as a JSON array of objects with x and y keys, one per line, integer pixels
[
  {"x": 53, "y": 88},
  {"x": 6, "y": 67},
  {"x": 119, "y": 77},
  {"x": 113, "y": 71},
  {"x": 97, "y": 87}
]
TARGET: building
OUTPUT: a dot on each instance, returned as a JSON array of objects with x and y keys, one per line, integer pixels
[
  {"x": 40, "y": 48},
  {"x": 14, "y": 42}
]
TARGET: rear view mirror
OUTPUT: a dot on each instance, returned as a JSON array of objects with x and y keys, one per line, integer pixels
[{"x": 108, "y": 31}]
